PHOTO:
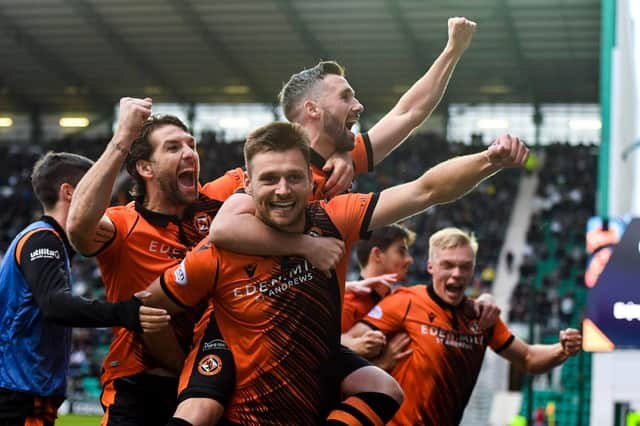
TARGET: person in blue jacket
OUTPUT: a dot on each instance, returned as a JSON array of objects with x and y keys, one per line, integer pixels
[{"x": 37, "y": 307}]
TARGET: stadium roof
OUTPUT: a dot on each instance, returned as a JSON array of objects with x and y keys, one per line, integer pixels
[{"x": 82, "y": 55}]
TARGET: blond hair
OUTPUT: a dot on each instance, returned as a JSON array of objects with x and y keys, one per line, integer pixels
[{"x": 450, "y": 238}]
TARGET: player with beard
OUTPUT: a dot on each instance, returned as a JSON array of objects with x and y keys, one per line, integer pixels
[
  {"x": 282, "y": 318},
  {"x": 323, "y": 102},
  {"x": 447, "y": 344},
  {"x": 143, "y": 237}
]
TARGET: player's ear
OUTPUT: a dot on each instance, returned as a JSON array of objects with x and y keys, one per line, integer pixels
[
  {"x": 429, "y": 267},
  {"x": 311, "y": 109},
  {"x": 375, "y": 254},
  {"x": 65, "y": 192},
  {"x": 143, "y": 167},
  {"x": 247, "y": 182}
]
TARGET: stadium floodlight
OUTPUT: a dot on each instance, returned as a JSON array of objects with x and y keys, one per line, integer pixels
[
  {"x": 585, "y": 124},
  {"x": 6, "y": 122},
  {"x": 236, "y": 89},
  {"x": 74, "y": 122},
  {"x": 493, "y": 123}
]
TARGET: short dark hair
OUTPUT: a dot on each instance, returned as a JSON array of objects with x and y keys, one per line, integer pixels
[
  {"x": 141, "y": 149},
  {"x": 278, "y": 136},
  {"x": 383, "y": 238},
  {"x": 297, "y": 88},
  {"x": 52, "y": 170}
]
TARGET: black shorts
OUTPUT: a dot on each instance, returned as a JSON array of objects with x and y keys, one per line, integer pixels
[
  {"x": 346, "y": 362},
  {"x": 342, "y": 364},
  {"x": 18, "y": 408},
  {"x": 139, "y": 400},
  {"x": 209, "y": 370}
]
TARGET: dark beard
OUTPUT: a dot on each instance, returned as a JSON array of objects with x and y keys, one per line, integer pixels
[
  {"x": 173, "y": 194},
  {"x": 338, "y": 132}
]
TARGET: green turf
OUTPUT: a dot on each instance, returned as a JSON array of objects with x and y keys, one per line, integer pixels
[{"x": 73, "y": 420}]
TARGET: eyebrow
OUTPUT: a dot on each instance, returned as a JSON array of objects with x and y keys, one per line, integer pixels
[{"x": 168, "y": 141}]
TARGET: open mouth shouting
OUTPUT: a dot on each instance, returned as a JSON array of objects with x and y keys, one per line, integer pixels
[
  {"x": 454, "y": 291},
  {"x": 351, "y": 121},
  {"x": 187, "y": 181}
]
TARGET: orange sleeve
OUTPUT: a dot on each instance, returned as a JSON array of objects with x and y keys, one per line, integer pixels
[
  {"x": 388, "y": 315},
  {"x": 194, "y": 278},
  {"x": 362, "y": 154},
  {"x": 121, "y": 217},
  {"x": 354, "y": 308},
  {"x": 351, "y": 213},
  {"x": 223, "y": 187},
  {"x": 501, "y": 338}
]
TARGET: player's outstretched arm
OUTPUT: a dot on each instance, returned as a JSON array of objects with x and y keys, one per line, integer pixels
[
  {"x": 48, "y": 283},
  {"x": 536, "y": 359},
  {"x": 86, "y": 223},
  {"x": 236, "y": 228},
  {"x": 417, "y": 104},
  {"x": 447, "y": 181},
  {"x": 381, "y": 284}
]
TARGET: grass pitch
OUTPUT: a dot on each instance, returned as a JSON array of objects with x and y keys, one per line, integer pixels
[{"x": 73, "y": 420}]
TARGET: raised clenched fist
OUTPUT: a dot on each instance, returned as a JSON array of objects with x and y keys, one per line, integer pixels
[
  {"x": 132, "y": 115},
  {"x": 571, "y": 341},
  {"x": 507, "y": 151},
  {"x": 461, "y": 32}
]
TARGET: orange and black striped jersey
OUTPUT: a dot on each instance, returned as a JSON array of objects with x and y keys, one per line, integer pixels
[
  {"x": 362, "y": 156},
  {"x": 279, "y": 315},
  {"x": 145, "y": 244},
  {"x": 448, "y": 349}
]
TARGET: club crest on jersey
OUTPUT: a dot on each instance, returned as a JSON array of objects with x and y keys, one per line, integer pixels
[
  {"x": 474, "y": 327},
  {"x": 210, "y": 365},
  {"x": 250, "y": 269},
  {"x": 201, "y": 222},
  {"x": 432, "y": 316},
  {"x": 180, "y": 274},
  {"x": 376, "y": 312}
]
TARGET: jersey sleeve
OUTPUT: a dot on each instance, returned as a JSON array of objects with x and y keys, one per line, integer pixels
[
  {"x": 388, "y": 315},
  {"x": 121, "y": 218},
  {"x": 501, "y": 337},
  {"x": 224, "y": 186},
  {"x": 193, "y": 279},
  {"x": 353, "y": 308},
  {"x": 41, "y": 257},
  {"x": 351, "y": 213},
  {"x": 362, "y": 154}
]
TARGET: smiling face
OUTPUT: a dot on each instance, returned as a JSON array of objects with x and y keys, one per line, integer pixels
[
  {"x": 280, "y": 184},
  {"x": 452, "y": 270},
  {"x": 174, "y": 165},
  {"x": 340, "y": 110}
]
